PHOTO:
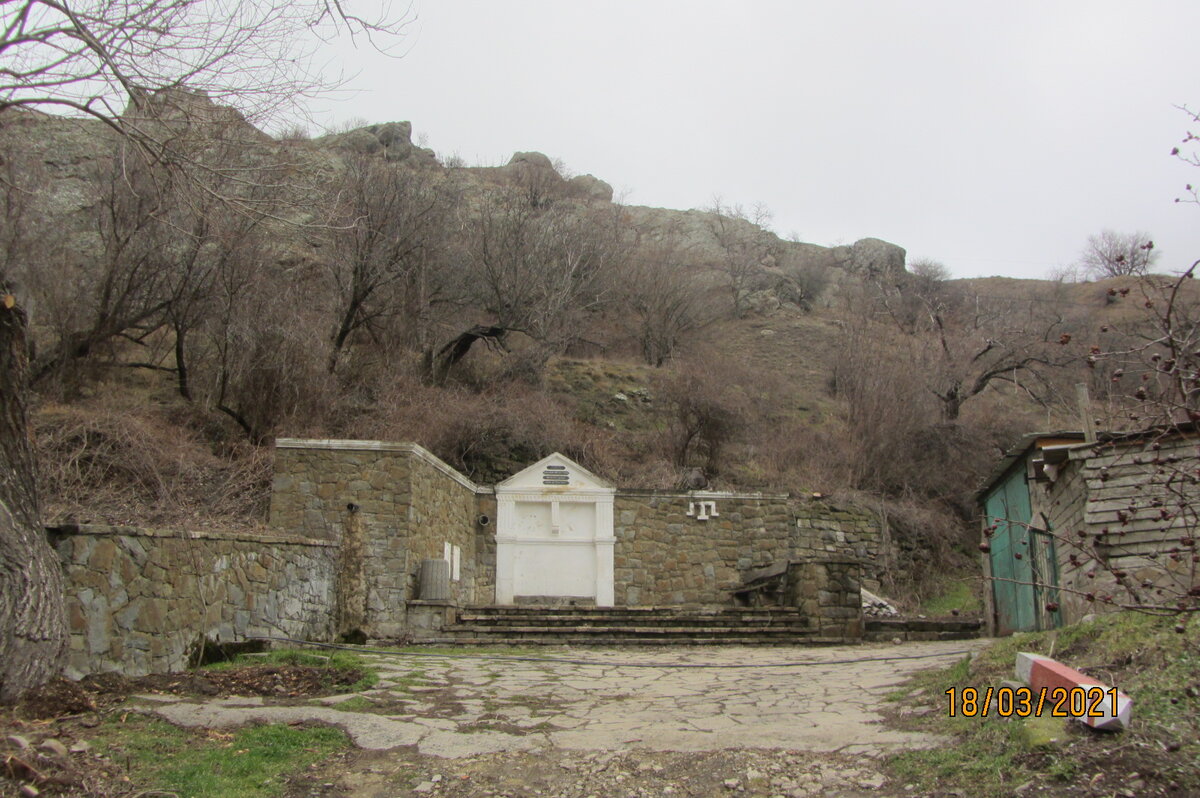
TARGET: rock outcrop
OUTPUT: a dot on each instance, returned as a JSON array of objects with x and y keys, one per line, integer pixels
[
  {"x": 68, "y": 156},
  {"x": 871, "y": 257},
  {"x": 590, "y": 188},
  {"x": 392, "y": 140}
]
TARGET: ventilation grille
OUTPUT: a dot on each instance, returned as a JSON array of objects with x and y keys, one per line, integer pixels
[{"x": 556, "y": 475}]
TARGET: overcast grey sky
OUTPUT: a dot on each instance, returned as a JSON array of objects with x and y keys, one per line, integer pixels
[{"x": 994, "y": 137}]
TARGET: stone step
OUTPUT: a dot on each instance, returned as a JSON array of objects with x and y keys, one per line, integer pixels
[
  {"x": 629, "y": 631},
  {"x": 888, "y": 629},
  {"x": 636, "y": 626},
  {"x": 499, "y": 614},
  {"x": 606, "y": 621},
  {"x": 620, "y": 640}
]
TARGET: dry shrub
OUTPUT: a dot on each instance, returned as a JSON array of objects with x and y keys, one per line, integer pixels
[
  {"x": 927, "y": 543},
  {"x": 113, "y": 461},
  {"x": 709, "y": 399},
  {"x": 488, "y": 436},
  {"x": 806, "y": 455}
]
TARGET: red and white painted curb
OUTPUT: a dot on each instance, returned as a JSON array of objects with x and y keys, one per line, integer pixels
[{"x": 1075, "y": 693}]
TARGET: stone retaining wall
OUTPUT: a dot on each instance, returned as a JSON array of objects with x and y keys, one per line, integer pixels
[
  {"x": 829, "y": 590},
  {"x": 140, "y": 600},
  {"x": 664, "y": 556},
  {"x": 441, "y": 510},
  {"x": 400, "y": 503}
]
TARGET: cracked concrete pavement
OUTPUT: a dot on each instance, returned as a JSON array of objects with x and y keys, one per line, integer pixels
[{"x": 479, "y": 704}]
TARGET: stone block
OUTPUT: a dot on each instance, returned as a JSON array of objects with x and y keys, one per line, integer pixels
[
  {"x": 137, "y": 642},
  {"x": 76, "y": 620},
  {"x": 153, "y": 616},
  {"x": 98, "y": 630},
  {"x": 90, "y": 579}
]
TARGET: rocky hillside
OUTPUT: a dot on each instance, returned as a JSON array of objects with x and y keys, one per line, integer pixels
[{"x": 186, "y": 312}]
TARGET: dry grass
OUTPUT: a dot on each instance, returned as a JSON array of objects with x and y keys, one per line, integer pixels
[{"x": 118, "y": 461}]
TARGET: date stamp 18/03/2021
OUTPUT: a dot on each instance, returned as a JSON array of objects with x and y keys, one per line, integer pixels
[{"x": 1024, "y": 702}]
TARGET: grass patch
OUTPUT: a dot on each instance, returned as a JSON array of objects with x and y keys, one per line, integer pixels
[
  {"x": 357, "y": 704},
  {"x": 1144, "y": 656},
  {"x": 408, "y": 681},
  {"x": 335, "y": 661},
  {"x": 956, "y": 594},
  {"x": 251, "y": 762}
]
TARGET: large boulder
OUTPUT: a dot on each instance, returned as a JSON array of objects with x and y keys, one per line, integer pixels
[
  {"x": 392, "y": 140},
  {"x": 531, "y": 160},
  {"x": 871, "y": 257},
  {"x": 589, "y": 187}
]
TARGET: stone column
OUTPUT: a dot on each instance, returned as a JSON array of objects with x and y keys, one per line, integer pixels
[
  {"x": 605, "y": 541},
  {"x": 829, "y": 592},
  {"x": 505, "y": 562}
]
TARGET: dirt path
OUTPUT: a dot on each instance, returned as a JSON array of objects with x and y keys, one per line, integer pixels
[{"x": 766, "y": 721}]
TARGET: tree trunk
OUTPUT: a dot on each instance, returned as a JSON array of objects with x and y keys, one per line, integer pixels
[{"x": 33, "y": 634}]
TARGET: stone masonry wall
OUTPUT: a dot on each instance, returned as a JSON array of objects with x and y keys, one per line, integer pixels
[
  {"x": 441, "y": 510},
  {"x": 485, "y": 549},
  {"x": 826, "y": 530},
  {"x": 407, "y": 503},
  {"x": 139, "y": 600},
  {"x": 316, "y": 481},
  {"x": 663, "y": 556},
  {"x": 830, "y": 591}
]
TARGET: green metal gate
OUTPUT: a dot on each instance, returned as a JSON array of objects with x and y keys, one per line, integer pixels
[{"x": 1023, "y": 563}]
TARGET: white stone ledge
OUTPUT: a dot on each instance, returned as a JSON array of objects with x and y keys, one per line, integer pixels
[
  {"x": 557, "y": 541},
  {"x": 334, "y": 444},
  {"x": 706, "y": 495},
  {"x": 106, "y": 530}
]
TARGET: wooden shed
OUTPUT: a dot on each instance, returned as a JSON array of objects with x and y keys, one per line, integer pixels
[
  {"x": 1075, "y": 527},
  {"x": 1021, "y": 563}
]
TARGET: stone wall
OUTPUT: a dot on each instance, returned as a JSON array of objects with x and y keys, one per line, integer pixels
[
  {"x": 140, "y": 600},
  {"x": 405, "y": 502},
  {"x": 441, "y": 509},
  {"x": 664, "y": 556},
  {"x": 485, "y": 548},
  {"x": 827, "y": 530},
  {"x": 317, "y": 481},
  {"x": 829, "y": 589}
]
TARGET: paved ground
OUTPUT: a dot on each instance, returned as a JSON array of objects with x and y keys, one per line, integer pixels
[
  {"x": 656, "y": 699},
  {"x": 818, "y": 704}
]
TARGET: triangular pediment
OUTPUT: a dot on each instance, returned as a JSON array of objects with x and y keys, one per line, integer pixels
[{"x": 557, "y": 473}]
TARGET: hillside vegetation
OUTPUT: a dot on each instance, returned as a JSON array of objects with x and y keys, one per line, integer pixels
[{"x": 184, "y": 314}]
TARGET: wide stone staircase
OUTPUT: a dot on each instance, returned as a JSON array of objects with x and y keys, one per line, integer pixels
[{"x": 640, "y": 626}]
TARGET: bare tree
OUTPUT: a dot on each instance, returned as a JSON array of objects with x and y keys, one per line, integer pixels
[
  {"x": 659, "y": 302},
  {"x": 970, "y": 343},
  {"x": 388, "y": 239},
  {"x": 1188, "y": 153},
  {"x": 95, "y": 58},
  {"x": 538, "y": 270},
  {"x": 707, "y": 406},
  {"x": 120, "y": 289},
  {"x": 1155, "y": 368},
  {"x": 106, "y": 58},
  {"x": 745, "y": 247},
  {"x": 1113, "y": 254}
]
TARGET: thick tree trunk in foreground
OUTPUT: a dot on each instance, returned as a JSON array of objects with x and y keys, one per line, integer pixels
[{"x": 33, "y": 634}]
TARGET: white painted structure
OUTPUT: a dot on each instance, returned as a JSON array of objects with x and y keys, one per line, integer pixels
[{"x": 554, "y": 533}]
